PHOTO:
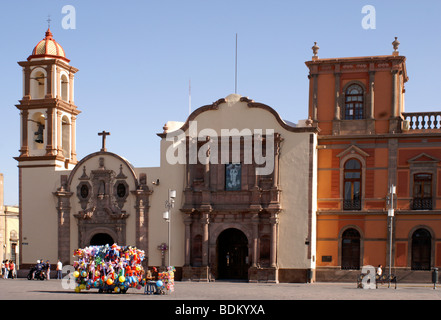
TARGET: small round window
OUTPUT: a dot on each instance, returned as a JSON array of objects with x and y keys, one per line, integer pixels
[
  {"x": 84, "y": 191},
  {"x": 121, "y": 190}
]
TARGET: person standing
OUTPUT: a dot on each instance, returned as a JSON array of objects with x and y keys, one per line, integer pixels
[
  {"x": 48, "y": 270},
  {"x": 3, "y": 269},
  {"x": 6, "y": 269},
  {"x": 59, "y": 269},
  {"x": 11, "y": 269}
]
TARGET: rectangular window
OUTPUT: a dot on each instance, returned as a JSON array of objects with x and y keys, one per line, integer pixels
[{"x": 422, "y": 191}]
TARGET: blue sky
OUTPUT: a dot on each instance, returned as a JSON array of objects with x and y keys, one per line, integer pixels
[{"x": 136, "y": 59}]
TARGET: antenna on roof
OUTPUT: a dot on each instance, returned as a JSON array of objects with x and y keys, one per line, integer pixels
[{"x": 235, "y": 76}]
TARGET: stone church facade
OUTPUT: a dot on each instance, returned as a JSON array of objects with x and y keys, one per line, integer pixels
[{"x": 255, "y": 197}]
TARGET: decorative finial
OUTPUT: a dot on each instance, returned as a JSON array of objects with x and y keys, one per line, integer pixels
[
  {"x": 315, "y": 49},
  {"x": 396, "y": 43},
  {"x": 165, "y": 128}
]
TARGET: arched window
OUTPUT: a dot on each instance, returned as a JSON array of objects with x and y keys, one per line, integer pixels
[
  {"x": 421, "y": 249},
  {"x": 65, "y": 136},
  {"x": 38, "y": 85},
  {"x": 354, "y": 101},
  {"x": 38, "y": 130},
  {"x": 352, "y": 185},
  {"x": 350, "y": 250},
  {"x": 64, "y": 88}
]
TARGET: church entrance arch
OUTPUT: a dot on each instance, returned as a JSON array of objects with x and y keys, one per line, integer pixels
[
  {"x": 101, "y": 239},
  {"x": 232, "y": 254}
]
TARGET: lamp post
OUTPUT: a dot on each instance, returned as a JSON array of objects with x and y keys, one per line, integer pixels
[
  {"x": 169, "y": 204},
  {"x": 390, "y": 214}
]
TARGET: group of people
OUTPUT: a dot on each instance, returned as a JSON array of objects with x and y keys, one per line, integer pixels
[
  {"x": 44, "y": 267},
  {"x": 9, "y": 271}
]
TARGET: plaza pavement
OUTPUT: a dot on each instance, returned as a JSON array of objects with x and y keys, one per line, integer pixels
[
  {"x": 217, "y": 300},
  {"x": 23, "y": 289}
]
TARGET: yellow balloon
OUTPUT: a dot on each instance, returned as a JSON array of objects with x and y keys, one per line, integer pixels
[
  {"x": 76, "y": 274},
  {"x": 82, "y": 286},
  {"x": 122, "y": 279},
  {"x": 77, "y": 289},
  {"x": 116, "y": 289}
]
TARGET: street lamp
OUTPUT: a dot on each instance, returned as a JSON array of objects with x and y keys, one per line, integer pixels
[
  {"x": 169, "y": 204},
  {"x": 390, "y": 214}
]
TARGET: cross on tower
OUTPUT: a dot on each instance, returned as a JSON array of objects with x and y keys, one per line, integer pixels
[
  {"x": 104, "y": 134},
  {"x": 49, "y": 21}
]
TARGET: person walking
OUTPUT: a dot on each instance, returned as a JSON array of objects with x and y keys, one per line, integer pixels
[{"x": 59, "y": 269}]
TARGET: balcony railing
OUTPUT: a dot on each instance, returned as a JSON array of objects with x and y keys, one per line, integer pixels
[
  {"x": 354, "y": 204},
  {"x": 422, "y": 120},
  {"x": 421, "y": 204}
]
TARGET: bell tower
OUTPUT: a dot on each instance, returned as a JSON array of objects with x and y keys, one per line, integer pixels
[
  {"x": 47, "y": 110},
  {"x": 47, "y": 146}
]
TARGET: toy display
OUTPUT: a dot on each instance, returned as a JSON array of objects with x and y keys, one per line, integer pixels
[
  {"x": 109, "y": 268},
  {"x": 167, "y": 280}
]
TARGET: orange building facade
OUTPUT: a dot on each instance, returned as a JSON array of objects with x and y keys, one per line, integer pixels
[{"x": 368, "y": 143}]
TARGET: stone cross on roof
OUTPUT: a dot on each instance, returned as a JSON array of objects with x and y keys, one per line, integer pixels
[{"x": 104, "y": 134}]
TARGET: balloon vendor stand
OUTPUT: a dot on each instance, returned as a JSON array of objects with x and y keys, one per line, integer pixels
[{"x": 115, "y": 269}]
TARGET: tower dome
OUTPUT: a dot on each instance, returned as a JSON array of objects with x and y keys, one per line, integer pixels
[{"x": 48, "y": 48}]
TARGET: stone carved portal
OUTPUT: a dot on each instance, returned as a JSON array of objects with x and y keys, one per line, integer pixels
[{"x": 102, "y": 196}]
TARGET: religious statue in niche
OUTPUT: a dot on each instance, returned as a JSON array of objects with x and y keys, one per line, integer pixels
[{"x": 233, "y": 176}]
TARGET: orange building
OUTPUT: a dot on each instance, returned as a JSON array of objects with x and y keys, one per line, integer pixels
[{"x": 368, "y": 143}]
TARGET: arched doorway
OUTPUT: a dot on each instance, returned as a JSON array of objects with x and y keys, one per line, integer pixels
[
  {"x": 421, "y": 249},
  {"x": 232, "y": 249},
  {"x": 101, "y": 239},
  {"x": 350, "y": 250}
]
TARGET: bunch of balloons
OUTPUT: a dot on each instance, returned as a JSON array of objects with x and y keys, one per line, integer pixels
[
  {"x": 166, "y": 280},
  {"x": 109, "y": 268}
]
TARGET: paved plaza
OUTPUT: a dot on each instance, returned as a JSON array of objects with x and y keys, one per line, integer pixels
[
  {"x": 222, "y": 299},
  {"x": 21, "y": 289}
]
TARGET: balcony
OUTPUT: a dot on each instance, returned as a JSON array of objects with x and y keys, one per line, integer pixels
[
  {"x": 351, "y": 204},
  {"x": 421, "y": 204},
  {"x": 421, "y": 121}
]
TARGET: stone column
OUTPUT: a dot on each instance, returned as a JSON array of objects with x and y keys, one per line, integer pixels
[
  {"x": 50, "y": 140},
  {"x": 73, "y": 151},
  {"x": 187, "y": 222},
  {"x": 71, "y": 88},
  {"x": 63, "y": 209},
  {"x": 50, "y": 76},
  {"x": 59, "y": 134},
  {"x": 142, "y": 194},
  {"x": 274, "y": 220},
  {"x": 205, "y": 221},
  {"x": 255, "y": 223},
  {"x": 27, "y": 83},
  {"x": 24, "y": 151}
]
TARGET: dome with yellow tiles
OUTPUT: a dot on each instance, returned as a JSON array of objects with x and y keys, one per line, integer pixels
[{"x": 48, "y": 48}]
